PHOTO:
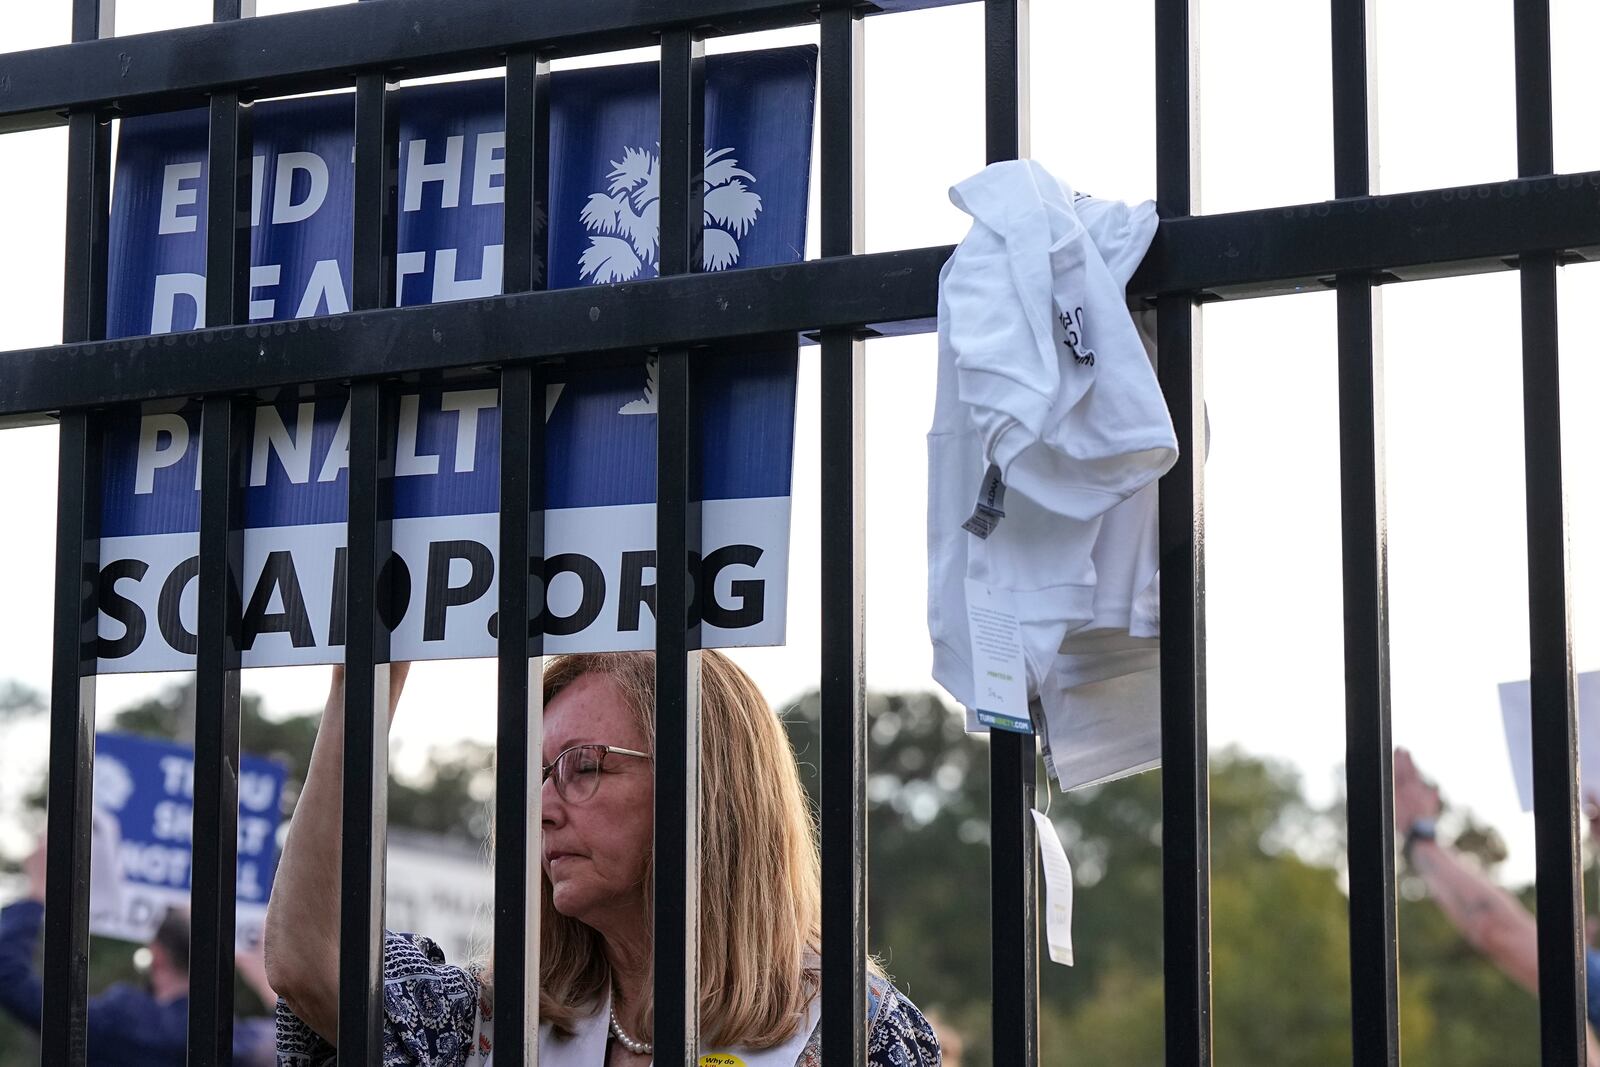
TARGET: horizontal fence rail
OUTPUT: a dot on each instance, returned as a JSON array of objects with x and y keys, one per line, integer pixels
[
  {"x": 307, "y": 51},
  {"x": 1431, "y": 233},
  {"x": 695, "y": 309},
  {"x": 1272, "y": 251}
]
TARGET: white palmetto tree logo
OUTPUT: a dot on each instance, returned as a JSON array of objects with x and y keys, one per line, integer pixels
[
  {"x": 624, "y": 222},
  {"x": 624, "y": 225}
]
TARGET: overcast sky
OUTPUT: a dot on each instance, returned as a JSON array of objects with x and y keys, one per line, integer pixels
[{"x": 1454, "y": 407}]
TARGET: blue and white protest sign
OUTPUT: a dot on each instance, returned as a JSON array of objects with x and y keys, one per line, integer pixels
[
  {"x": 600, "y": 439},
  {"x": 144, "y": 799}
]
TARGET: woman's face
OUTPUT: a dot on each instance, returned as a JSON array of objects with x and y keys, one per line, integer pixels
[{"x": 597, "y": 851}]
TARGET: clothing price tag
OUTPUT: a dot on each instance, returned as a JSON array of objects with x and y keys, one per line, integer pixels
[
  {"x": 991, "y": 506},
  {"x": 999, "y": 676},
  {"x": 1057, "y": 890}
]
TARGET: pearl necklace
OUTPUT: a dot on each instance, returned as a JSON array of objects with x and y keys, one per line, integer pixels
[{"x": 633, "y": 1045}]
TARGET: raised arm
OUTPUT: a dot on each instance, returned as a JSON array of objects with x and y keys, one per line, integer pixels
[
  {"x": 1492, "y": 920},
  {"x": 302, "y": 942}
]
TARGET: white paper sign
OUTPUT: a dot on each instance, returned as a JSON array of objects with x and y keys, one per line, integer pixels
[
  {"x": 999, "y": 675},
  {"x": 1057, "y": 890},
  {"x": 440, "y": 887},
  {"x": 1516, "y": 704}
]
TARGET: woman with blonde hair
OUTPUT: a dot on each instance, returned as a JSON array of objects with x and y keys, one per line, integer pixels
[{"x": 760, "y": 895}]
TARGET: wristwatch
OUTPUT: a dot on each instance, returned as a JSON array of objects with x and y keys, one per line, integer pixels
[{"x": 1419, "y": 830}]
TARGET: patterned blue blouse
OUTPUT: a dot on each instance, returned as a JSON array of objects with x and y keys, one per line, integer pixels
[{"x": 431, "y": 1012}]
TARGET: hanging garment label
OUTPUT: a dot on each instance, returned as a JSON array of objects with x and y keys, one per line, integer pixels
[
  {"x": 990, "y": 508},
  {"x": 1041, "y": 727},
  {"x": 999, "y": 675},
  {"x": 1057, "y": 890}
]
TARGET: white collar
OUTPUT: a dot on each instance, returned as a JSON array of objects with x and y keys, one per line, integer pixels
[{"x": 587, "y": 1045}]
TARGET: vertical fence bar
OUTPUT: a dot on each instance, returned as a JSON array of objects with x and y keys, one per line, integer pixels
[
  {"x": 64, "y": 1033},
  {"x": 1013, "y": 758},
  {"x": 366, "y": 752},
  {"x": 677, "y": 796},
  {"x": 1560, "y": 893},
  {"x": 521, "y": 699},
  {"x": 1005, "y": 79},
  {"x": 377, "y": 173},
  {"x": 1185, "y": 789},
  {"x": 1369, "y": 761},
  {"x": 527, "y": 176},
  {"x": 1554, "y": 720},
  {"x": 843, "y": 729},
  {"x": 88, "y": 221},
  {"x": 72, "y": 691},
  {"x": 216, "y": 736},
  {"x": 212, "y": 888},
  {"x": 521, "y": 709}
]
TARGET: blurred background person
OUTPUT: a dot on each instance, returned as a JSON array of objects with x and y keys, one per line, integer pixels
[
  {"x": 1490, "y": 919},
  {"x": 128, "y": 1025}
]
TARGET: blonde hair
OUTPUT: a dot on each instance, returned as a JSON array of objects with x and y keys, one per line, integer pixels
[{"x": 760, "y": 875}]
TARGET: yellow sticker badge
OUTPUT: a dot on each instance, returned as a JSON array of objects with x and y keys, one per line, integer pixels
[{"x": 720, "y": 1059}]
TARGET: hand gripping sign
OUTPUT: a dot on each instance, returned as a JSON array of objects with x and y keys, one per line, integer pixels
[{"x": 599, "y": 571}]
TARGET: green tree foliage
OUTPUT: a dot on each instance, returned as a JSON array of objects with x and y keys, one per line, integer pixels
[
  {"x": 17, "y": 700},
  {"x": 1279, "y": 925},
  {"x": 1279, "y": 914}
]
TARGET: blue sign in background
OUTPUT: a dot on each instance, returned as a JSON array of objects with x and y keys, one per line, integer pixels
[
  {"x": 604, "y": 148},
  {"x": 155, "y": 778}
]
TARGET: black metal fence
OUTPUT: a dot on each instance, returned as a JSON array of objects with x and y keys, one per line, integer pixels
[{"x": 1350, "y": 244}]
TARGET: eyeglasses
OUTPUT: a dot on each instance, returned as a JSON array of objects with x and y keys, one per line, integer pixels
[{"x": 577, "y": 769}]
